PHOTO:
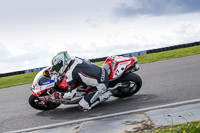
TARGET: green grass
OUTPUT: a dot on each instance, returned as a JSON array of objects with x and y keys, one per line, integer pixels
[
  {"x": 17, "y": 80},
  {"x": 28, "y": 78},
  {"x": 168, "y": 55},
  {"x": 190, "y": 127}
]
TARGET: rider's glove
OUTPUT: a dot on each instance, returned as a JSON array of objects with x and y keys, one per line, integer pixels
[
  {"x": 70, "y": 95},
  {"x": 54, "y": 77},
  {"x": 67, "y": 95}
]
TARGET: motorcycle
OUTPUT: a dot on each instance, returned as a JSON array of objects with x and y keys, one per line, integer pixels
[{"x": 123, "y": 82}]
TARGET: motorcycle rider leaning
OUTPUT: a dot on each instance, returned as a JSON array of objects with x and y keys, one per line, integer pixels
[{"x": 79, "y": 71}]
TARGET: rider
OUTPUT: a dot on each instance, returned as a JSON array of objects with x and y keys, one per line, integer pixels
[{"x": 79, "y": 71}]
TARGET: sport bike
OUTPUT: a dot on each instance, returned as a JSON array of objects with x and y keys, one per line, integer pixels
[{"x": 123, "y": 82}]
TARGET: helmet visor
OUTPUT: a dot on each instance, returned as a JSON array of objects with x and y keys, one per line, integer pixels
[
  {"x": 58, "y": 63},
  {"x": 58, "y": 66}
]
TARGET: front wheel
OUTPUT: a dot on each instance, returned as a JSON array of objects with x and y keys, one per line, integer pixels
[
  {"x": 131, "y": 85},
  {"x": 36, "y": 103}
]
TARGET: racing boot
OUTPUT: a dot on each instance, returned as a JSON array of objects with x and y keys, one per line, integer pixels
[
  {"x": 105, "y": 96},
  {"x": 93, "y": 99}
]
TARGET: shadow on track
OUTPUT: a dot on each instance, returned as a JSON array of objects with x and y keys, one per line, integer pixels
[{"x": 113, "y": 105}]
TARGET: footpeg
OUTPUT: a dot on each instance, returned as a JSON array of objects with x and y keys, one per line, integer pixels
[{"x": 116, "y": 86}]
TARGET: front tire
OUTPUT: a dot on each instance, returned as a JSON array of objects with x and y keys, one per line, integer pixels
[
  {"x": 131, "y": 85},
  {"x": 36, "y": 103}
]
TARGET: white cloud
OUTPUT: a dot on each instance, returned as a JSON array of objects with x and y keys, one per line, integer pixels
[{"x": 86, "y": 30}]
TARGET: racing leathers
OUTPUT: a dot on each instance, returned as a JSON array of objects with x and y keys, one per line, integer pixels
[{"x": 88, "y": 75}]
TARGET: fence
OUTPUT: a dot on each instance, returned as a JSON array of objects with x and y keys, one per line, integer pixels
[
  {"x": 151, "y": 51},
  {"x": 104, "y": 58},
  {"x": 21, "y": 72}
]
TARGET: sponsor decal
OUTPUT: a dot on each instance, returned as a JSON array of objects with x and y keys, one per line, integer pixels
[
  {"x": 36, "y": 86},
  {"x": 124, "y": 63},
  {"x": 47, "y": 82},
  {"x": 135, "y": 54},
  {"x": 117, "y": 73},
  {"x": 50, "y": 85},
  {"x": 33, "y": 70},
  {"x": 102, "y": 75}
]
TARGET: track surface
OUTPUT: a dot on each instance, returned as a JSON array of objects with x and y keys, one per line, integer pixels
[{"x": 164, "y": 82}]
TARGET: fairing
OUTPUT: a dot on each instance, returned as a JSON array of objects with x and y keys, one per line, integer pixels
[
  {"x": 119, "y": 64},
  {"x": 42, "y": 83}
]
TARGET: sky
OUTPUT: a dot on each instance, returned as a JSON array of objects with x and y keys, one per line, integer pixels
[{"x": 33, "y": 31}]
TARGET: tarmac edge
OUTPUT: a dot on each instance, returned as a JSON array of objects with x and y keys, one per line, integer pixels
[{"x": 106, "y": 116}]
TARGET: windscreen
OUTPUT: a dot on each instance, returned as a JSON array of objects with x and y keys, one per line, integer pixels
[{"x": 43, "y": 79}]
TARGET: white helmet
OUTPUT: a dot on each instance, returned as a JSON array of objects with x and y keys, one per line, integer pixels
[{"x": 60, "y": 62}]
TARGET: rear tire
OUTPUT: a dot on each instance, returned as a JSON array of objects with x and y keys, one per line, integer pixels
[
  {"x": 35, "y": 102},
  {"x": 133, "y": 83}
]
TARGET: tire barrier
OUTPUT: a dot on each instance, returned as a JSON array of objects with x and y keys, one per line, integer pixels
[
  {"x": 173, "y": 47},
  {"x": 12, "y": 73},
  {"x": 125, "y": 55},
  {"x": 21, "y": 72}
]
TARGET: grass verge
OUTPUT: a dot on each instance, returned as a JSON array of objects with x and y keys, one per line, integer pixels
[
  {"x": 189, "y": 127},
  {"x": 16, "y": 80},
  {"x": 28, "y": 78}
]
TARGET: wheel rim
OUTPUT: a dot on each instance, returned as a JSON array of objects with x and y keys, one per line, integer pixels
[
  {"x": 39, "y": 102},
  {"x": 44, "y": 104},
  {"x": 129, "y": 86}
]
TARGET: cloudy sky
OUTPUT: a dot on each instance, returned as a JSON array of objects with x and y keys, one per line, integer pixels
[{"x": 33, "y": 31}]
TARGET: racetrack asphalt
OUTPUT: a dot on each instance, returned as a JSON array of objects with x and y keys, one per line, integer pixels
[{"x": 164, "y": 82}]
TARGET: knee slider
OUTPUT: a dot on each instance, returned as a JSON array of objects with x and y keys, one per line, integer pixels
[{"x": 84, "y": 105}]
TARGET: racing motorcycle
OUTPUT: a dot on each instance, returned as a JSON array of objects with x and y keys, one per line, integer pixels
[{"x": 123, "y": 82}]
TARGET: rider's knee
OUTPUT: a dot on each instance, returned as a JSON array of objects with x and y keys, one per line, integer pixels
[{"x": 101, "y": 87}]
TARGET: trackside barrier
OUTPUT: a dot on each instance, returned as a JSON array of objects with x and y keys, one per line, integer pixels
[
  {"x": 151, "y": 51},
  {"x": 12, "y": 73},
  {"x": 104, "y": 58},
  {"x": 21, "y": 72},
  {"x": 33, "y": 70},
  {"x": 135, "y": 54},
  {"x": 173, "y": 47}
]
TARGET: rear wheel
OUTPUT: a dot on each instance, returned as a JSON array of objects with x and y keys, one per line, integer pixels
[
  {"x": 36, "y": 103},
  {"x": 131, "y": 85}
]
